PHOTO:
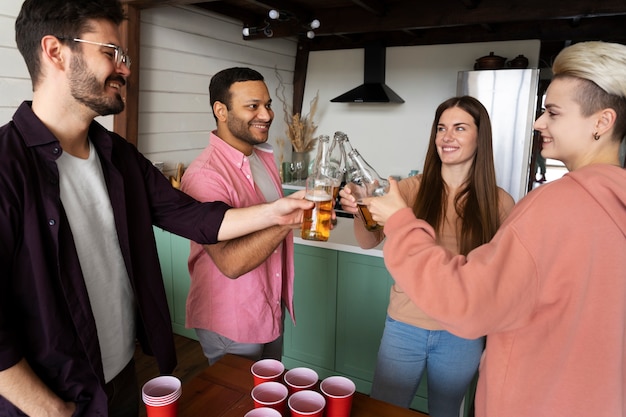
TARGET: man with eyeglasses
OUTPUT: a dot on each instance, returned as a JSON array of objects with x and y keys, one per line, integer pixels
[{"x": 80, "y": 280}]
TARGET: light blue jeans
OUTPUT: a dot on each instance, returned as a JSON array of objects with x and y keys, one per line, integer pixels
[{"x": 405, "y": 351}]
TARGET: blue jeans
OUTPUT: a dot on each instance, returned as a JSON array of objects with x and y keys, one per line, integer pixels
[{"x": 405, "y": 351}]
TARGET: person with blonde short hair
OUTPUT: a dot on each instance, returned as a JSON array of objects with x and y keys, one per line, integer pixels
[{"x": 549, "y": 290}]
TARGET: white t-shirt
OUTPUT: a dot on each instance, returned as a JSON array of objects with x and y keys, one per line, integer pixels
[
  {"x": 88, "y": 208},
  {"x": 262, "y": 178}
]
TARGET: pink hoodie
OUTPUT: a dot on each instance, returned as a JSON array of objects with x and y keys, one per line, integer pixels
[{"x": 549, "y": 291}]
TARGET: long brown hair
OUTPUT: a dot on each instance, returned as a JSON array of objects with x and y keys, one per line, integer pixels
[{"x": 477, "y": 202}]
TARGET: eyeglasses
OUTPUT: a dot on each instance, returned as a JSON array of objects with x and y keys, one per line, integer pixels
[{"x": 120, "y": 56}]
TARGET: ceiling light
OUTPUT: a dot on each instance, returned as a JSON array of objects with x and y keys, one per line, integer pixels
[
  {"x": 248, "y": 31},
  {"x": 279, "y": 14}
]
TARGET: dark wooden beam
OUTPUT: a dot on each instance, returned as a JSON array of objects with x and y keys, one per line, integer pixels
[
  {"x": 247, "y": 18},
  {"x": 298, "y": 12},
  {"x": 404, "y": 15},
  {"x": 605, "y": 28},
  {"x": 470, "y": 4},
  {"x": 126, "y": 124},
  {"x": 146, "y": 4},
  {"x": 299, "y": 75},
  {"x": 376, "y": 7}
]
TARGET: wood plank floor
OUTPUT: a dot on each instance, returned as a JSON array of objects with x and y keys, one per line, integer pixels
[{"x": 191, "y": 360}]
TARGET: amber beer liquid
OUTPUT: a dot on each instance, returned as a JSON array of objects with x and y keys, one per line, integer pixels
[
  {"x": 316, "y": 222},
  {"x": 370, "y": 224},
  {"x": 336, "y": 189}
]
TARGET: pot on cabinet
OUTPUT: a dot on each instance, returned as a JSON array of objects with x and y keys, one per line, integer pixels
[
  {"x": 518, "y": 62},
  {"x": 490, "y": 61}
]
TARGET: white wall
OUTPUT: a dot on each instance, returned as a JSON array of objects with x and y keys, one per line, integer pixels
[
  {"x": 181, "y": 48},
  {"x": 15, "y": 83},
  {"x": 394, "y": 137}
]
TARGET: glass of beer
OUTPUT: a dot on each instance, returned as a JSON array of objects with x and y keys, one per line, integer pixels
[{"x": 317, "y": 220}]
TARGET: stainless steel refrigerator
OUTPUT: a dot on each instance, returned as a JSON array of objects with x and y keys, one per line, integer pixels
[{"x": 510, "y": 97}]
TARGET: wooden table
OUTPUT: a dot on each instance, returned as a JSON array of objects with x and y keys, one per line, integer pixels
[{"x": 223, "y": 390}]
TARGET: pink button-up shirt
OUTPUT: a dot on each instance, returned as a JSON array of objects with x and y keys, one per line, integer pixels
[{"x": 247, "y": 309}]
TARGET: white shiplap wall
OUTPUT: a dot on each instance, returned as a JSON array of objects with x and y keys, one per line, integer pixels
[
  {"x": 181, "y": 49},
  {"x": 15, "y": 83}
]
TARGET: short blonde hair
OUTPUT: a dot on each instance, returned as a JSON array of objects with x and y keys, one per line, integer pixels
[
  {"x": 603, "y": 63},
  {"x": 600, "y": 68}
]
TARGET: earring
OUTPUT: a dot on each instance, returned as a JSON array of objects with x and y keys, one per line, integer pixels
[{"x": 596, "y": 136}]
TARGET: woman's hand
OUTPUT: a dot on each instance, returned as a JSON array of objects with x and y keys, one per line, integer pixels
[
  {"x": 348, "y": 200},
  {"x": 385, "y": 206}
]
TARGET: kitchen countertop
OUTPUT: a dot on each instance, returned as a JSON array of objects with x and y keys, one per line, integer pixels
[{"x": 342, "y": 239}]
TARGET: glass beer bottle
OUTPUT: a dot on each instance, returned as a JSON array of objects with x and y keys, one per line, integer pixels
[
  {"x": 316, "y": 223},
  {"x": 365, "y": 182},
  {"x": 337, "y": 159},
  {"x": 328, "y": 162},
  {"x": 341, "y": 139}
]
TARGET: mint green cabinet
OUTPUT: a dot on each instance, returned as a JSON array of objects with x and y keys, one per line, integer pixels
[
  {"x": 341, "y": 302},
  {"x": 173, "y": 252},
  {"x": 312, "y": 339},
  {"x": 362, "y": 300}
]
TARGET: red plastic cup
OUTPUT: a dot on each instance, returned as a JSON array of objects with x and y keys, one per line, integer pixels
[
  {"x": 307, "y": 403},
  {"x": 338, "y": 391},
  {"x": 270, "y": 394},
  {"x": 267, "y": 370},
  {"x": 160, "y": 395},
  {"x": 263, "y": 412},
  {"x": 298, "y": 379}
]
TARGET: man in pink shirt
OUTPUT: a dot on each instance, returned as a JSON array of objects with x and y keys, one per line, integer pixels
[{"x": 239, "y": 288}]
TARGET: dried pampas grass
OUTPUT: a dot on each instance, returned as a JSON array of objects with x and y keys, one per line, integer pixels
[{"x": 300, "y": 129}]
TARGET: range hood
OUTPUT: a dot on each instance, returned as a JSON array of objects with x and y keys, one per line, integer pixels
[{"x": 373, "y": 89}]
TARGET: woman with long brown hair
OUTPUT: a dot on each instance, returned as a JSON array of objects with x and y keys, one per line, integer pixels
[{"x": 457, "y": 194}]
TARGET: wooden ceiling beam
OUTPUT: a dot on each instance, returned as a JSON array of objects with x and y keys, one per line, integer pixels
[
  {"x": 440, "y": 14},
  {"x": 470, "y": 4},
  {"x": 376, "y": 7},
  {"x": 146, "y": 4},
  {"x": 556, "y": 30}
]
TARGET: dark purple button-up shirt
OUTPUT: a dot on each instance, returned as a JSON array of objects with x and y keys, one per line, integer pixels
[{"x": 45, "y": 315}]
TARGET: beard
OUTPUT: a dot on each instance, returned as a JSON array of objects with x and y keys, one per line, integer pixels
[
  {"x": 241, "y": 130},
  {"x": 86, "y": 89}
]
